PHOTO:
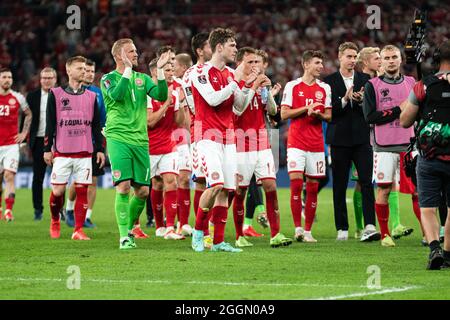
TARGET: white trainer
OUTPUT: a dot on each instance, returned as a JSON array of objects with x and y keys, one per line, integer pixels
[
  {"x": 370, "y": 233},
  {"x": 299, "y": 234},
  {"x": 172, "y": 235},
  {"x": 160, "y": 232},
  {"x": 186, "y": 230},
  {"x": 342, "y": 235},
  {"x": 307, "y": 237}
]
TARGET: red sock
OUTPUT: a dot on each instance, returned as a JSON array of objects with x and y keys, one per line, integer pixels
[
  {"x": 197, "y": 195},
  {"x": 272, "y": 212},
  {"x": 416, "y": 207},
  {"x": 219, "y": 220},
  {"x": 238, "y": 213},
  {"x": 296, "y": 201},
  {"x": 184, "y": 205},
  {"x": 382, "y": 211},
  {"x": 230, "y": 198},
  {"x": 201, "y": 218},
  {"x": 206, "y": 222},
  {"x": 312, "y": 188},
  {"x": 157, "y": 207},
  {"x": 170, "y": 205},
  {"x": 56, "y": 203},
  {"x": 80, "y": 206},
  {"x": 9, "y": 202}
]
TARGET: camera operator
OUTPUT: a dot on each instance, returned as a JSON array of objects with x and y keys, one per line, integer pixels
[{"x": 429, "y": 104}]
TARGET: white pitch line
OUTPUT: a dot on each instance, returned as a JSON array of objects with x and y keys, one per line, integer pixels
[
  {"x": 224, "y": 283},
  {"x": 363, "y": 294}
]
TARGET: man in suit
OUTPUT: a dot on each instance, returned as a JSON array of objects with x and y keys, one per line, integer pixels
[
  {"x": 37, "y": 101},
  {"x": 348, "y": 136}
]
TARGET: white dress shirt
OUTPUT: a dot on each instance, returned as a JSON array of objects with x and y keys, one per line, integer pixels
[
  {"x": 43, "y": 114},
  {"x": 348, "y": 83}
]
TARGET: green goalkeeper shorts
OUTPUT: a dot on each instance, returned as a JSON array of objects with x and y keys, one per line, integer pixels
[
  {"x": 129, "y": 162},
  {"x": 354, "y": 176}
]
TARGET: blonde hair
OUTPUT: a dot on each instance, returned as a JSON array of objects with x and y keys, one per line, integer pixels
[
  {"x": 119, "y": 44},
  {"x": 390, "y": 47},
  {"x": 184, "y": 59},
  {"x": 365, "y": 53}
]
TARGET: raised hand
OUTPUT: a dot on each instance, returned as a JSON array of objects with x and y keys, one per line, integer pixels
[
  {"x": 265, "y": 81},
  {"x": 276, "y": 88},
  {"x": 163, "y": 60},
  {"x": 253, "y": 77},
  {"x": 125, "y": 59},
  {"x": 239, "y": 73}
]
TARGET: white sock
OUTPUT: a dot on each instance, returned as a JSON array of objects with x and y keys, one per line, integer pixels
[
  {"x": 88, "y": 213},
  {"x": 299, "y": 230},
  {"x": 70, "y": 205}
]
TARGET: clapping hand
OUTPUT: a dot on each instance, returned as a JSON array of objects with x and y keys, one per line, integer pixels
[
  {"x": 358, "y": 96},
  {"x": 311, "y": 109}
]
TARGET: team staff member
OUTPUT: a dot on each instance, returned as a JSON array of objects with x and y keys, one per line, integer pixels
[
  {"x": 429, "y": 103},
  {"x": 37, "y": 100},
  {"x": 382, "y": 97},
  {"x": 348, "y": 137}
]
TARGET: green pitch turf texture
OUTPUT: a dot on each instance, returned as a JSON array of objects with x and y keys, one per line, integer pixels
[{"x": 35, "y": 267}]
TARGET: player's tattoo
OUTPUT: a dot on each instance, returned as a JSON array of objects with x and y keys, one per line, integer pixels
[{"x": 27, "y": 122}]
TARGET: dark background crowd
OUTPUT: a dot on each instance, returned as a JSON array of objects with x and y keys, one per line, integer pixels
[{"x": 33, "y": 34}]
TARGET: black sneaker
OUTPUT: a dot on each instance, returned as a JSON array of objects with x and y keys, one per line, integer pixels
[
  {"x": 62, "y": 214},
  {"x": 436, "y": 259},
  {"x": 37, "y": 215},
  {"x": 89, "y": 224},
  {"x": 70, "y": 221},
  {"x": 446, "y": 264}
]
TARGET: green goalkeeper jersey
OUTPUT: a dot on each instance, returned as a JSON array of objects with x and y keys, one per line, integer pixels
[{"x": 126, "y": 105}]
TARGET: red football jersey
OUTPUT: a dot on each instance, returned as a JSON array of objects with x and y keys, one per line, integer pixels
[
  {"x": 180, "y": 134},
  {"x": 186, "y": 82},
  {"x": 305, "y": 132},
  {"x": 10, "y": 104},
  {"x": 160, "y": 136},
  {"x": 213, "y": 92},
  {"x": 250, "y": 127}
]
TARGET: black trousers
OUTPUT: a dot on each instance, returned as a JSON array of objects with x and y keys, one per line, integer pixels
[
  {"x": 341, "y": 160},
  {"x": 39, "y": 168}
]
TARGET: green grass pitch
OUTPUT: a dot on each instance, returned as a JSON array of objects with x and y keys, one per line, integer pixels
[{"x": 35, "y": 267}]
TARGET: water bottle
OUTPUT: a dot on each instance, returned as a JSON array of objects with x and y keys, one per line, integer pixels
[{"x": 264, "y": 95}]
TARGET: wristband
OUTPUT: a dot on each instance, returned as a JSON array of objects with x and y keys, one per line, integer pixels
[
  {"x": 127, "y": 73},
  {"x": 160, "y": 74}
]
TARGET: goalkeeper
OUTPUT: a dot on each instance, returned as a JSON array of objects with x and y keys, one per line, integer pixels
[{"x": 125, "y": 93}]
